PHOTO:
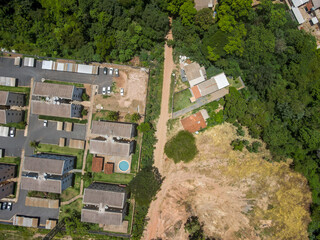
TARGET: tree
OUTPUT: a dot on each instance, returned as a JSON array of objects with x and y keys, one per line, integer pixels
[
  {"x": 187, "y": 13},
  {"x": 145, "y": 185},
  {"x": 34, "y": 144},
  {"x": 135, "y": 117},
  {"x": 144, "y": 127},
  {"x": 204, "y": 19},
  {"x": 181, "y": 147},
  {"x": 194, "y": 228}
]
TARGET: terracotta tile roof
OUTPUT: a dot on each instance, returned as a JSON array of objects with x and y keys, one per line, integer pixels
[
  {"x": 108, "y": 168},
  {"x": 194, "y": 123},
  {"x": 97, "y": 164},
  {"x": 196, "y": 92},
  {"x": 309, "y": 5}
]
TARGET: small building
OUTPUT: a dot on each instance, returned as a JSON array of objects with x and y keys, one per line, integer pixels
[
  {"x": 201, "y": 4},
  {"x": 111, "y": 147},
  {"x": 47, "y": 173},
  {"x": 195, "y": 122},
  {"x": 97, "y": 164},
  {"x": 8, "y": 81},
  {"x": 50, "y": 90},
  {"x": 28, "y": 62},
  {"x": 11, "y": 116},
  {"x": 25, "y": 221},
  {"x": 17, "y": 61},
  {"x": 12, "y": 99},
  {"x": 212, "y": 85},
  {"x": 58, "y": 110},
  {"x": 108, "y": 168},
  {"x": 116, "y": 129},
  {"x": 297, "y": 14},
  {"x": 298, "y": 3},
  {"x": 62, "y": 142},
  {"x": 50, "y": 224},
  {"x": 4, "y": 131},
  {"x": 316, "y": 4},
  {"x": 314, "y": 20},
  {"x": 104, "y": 204},
  {"x": 76, "y": 143},
  {"x": 194, "y": 73}
]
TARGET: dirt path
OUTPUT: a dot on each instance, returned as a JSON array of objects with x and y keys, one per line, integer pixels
[{"x": 164, "y": 114}]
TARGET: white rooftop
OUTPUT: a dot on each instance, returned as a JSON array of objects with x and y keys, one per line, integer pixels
[
  {"x": 221, "y": 80},
  {"x": 298, "y": 15},
  {"x": 314, "y": 20},
  {"x": 298, "y": 3},
  {"x": 85, "y": 68},
  {"x": 47, "y": 65}
]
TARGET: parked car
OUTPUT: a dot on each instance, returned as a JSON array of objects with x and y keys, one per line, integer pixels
[
  {"x": 104, "y": 90},
  {"x": 45, "y": 123},
  {"x": 116, "y": 72},
  {"x": 108, "y": 90},
  {"x": 4, "y": 205},
  {"x": 105, "y": 71},
  {"x": 12, "y": 132},
  {"x": 110, "y": 71},
  {"x": 9, "y": 206},
  {"x": 121, "y": 91}
]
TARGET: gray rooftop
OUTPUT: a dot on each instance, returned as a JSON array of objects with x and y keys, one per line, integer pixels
[
  {"x": 3, "y": 97},
  {"x": 110, "y": 148},
  {"x": 48, "y": 185},
  {"x": 49, "y": 109},
  {"x": 105, "y": 217},
  {"x": 118, "y": 129},
  {"x": 53, "y": 90}
]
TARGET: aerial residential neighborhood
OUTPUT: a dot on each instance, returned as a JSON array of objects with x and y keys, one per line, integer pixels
[{"x": 160, "y": 119}]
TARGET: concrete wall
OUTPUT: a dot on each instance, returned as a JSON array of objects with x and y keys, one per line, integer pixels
[
  {"x": 13, "y": 116},
  {"x": 66, "y": 181},
  {"x": 7, "y": 171},
  {"x": 68, "y": 166},
  {"x": 15, "y": 99},
  {"x": 6, "y": 189}
]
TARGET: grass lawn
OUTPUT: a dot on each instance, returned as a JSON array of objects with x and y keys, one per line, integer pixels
[
  {"x": 73, "y": 191},
  {"x": 105, "y": 115},
  {"x": 15, "y": 89},
  {"x": 65, "y": 83},
  {"x": 89, "y": 161},
  {"x": 10, "y": 232},
  {"x": 235, "y": 82},
  {"x": 121, "y": 178},
  {"x": 181, "y": 100},
  {"x": 48, "y": 148},
  {"x": 135, "y": 159}
]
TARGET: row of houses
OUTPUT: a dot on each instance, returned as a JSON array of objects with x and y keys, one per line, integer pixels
[{"x": 69, "y": 67}]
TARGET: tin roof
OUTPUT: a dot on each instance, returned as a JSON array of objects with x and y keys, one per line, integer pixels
[
  {"x": 53, "y": 90},
  {"x": 105, "y": 217},
  {"x": 118, "y": 129},
  {"x": 49, "y": 185},
  {"x": 110, "y": 148},
  {"x": 49, "y": 109}
]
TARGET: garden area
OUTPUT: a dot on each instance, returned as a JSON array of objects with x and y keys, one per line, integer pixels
[
  {"x": 48, "y": 148},
  {"x": 181, "y": 100}
]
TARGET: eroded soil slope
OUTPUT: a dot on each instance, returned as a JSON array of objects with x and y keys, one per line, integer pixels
[{"x": 237, "y": 195}]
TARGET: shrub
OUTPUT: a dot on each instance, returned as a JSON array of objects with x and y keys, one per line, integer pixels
[
  {"x": 240, "y": 132},
  {"x": 181, "y": 147},
  {"x": 254, "y": 147},
  {"x": 237, "y": 145},
  {"x": 135, "y": 117},
  {"x": 85, "y": 97},
  {"x": 194, "y": 228},
  {"x": 144, "y": 127},
  {"x": 84, "y": 112}
]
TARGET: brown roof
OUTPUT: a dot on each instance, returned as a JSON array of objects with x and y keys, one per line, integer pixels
[
  {"x": 75, "y": 143},
  {"x": 48, "y": 185},
  {"x": 117, "y": 129},
  {"x": 194, "y": 123},
  {"x": 107, "y": 218},
  {"x": 53, "y": 90},
  {"x": 200, "y": 4},
  {"x": 49, "y": 109},
  {"x": 309, "y": 5},
  {"x": 3, "y": 97},
  {"x": 3, "y": 116},
  {"x": 108, "y": 168},
  {"x": 192, "y": 71},
  {"x": 110, "y": 148},
  {"x": 43, "y": 165},
  {"x": 97, "y": 164},
  {"x": 25, "y": 221},
  {"x": 106, "y": 194},
  {"x": 219, "y": 94},
  {"x": 196, "y": 92},
  {"x": 41, "y": 202}
]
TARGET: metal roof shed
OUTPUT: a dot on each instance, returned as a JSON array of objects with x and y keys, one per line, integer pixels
[
  {"x": 17, "y": 61},
  {"x": 4, "y": 131},
  {"x": 28, "y": 62},
  {"x": 298, "y": 15},
  {"x": 87, "y": 69},
  {"x": 47, "y": 65}
]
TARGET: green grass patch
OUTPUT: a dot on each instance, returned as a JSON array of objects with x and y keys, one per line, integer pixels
[
  {"x": 47, "y": 195},
  {"x": 120, "y": 178},
  {"x": 128, "y": 217},
  {"x": 89, "y": 161},
  {"x": 15, "y": 89},
  {"x": 181, "y": 100},
  {"x": 135, "y": 159},
  {"x": 80, "y": 85},
  {"x": 105, "y": 115},
  {"x": 10, "y": 232},
  {"x": 66, "y": 210},
  {"x": 60, "y": 119},
  {"x": 48, "y": 148},
  {"x": 235, "y": 82},
  {"x": 72, "y": 191}
]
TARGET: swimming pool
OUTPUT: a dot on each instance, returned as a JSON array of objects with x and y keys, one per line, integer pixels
[{"x": 124, "y": 165}]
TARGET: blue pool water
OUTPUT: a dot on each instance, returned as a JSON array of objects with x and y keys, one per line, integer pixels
[{"x": 124, "y": 166}]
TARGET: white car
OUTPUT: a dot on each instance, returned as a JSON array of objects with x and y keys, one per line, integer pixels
[
  {"x": 12, "y": 132},
  {"x": 9, "y": 206},
  {"x": 110, "y": 71},
  {"x": 116, "y": 72},
  {"x": 121, "y": 91},
  {"x": 104, "y": 91},
  {"x": 108, "y": 90},
  {"x": 45, "y": 123}
]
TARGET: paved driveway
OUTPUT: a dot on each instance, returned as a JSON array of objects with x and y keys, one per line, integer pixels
[
  {"x": 24, "y": 74},
  {"x": 20, "y": 208},
  {"x": 13, "y": 145}
]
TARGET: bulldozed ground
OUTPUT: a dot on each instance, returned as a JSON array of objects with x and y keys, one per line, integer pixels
[{"x": 236, "y": 195}]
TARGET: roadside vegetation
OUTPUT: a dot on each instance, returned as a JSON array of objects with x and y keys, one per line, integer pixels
[{"x": 181, "y": 147}]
